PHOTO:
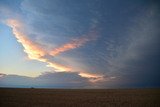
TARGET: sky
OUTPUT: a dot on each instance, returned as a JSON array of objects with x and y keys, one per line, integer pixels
[{"x": 80, "y": 43}]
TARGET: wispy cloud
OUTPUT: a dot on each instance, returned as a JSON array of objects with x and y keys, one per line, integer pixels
[
  {"x": 75, "y": 43},
  {"x": 134, "y": 60},
  {"x": 92, "y": 77},
  {"x": 33, "y": 50},
  {"x": 36, "y": 52},
  {"x": 58, "y": 67}
]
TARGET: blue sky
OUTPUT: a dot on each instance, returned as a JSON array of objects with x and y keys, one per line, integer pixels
[{"x": 79, "y": 44}]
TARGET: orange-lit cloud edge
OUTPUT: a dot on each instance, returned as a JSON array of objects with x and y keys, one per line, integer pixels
[{"x": 36, "y": 52}]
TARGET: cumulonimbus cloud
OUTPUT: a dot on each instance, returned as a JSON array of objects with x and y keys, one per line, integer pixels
[{"x": 36, "y": 52}]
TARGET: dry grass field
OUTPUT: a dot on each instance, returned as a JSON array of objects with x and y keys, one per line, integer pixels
[{"x": 79, "y": 97}]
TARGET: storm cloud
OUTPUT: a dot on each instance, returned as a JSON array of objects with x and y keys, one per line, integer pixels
[
  {"x": 87, "y": 43},
  {"x": 46, "y": 80}
]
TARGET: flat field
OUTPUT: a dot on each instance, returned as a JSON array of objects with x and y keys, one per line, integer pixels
[{"x": 14, "y": 97}]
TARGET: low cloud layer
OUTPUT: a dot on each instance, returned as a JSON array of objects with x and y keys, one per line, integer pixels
[{"x": 46, "y": 80}]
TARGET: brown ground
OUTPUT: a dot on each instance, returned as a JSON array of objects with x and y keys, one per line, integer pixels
[{"x": 79, "y": 98}]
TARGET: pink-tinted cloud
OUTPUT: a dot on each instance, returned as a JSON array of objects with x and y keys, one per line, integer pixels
[
  {"x": 92, "y": 77},
  {"x": 36, "y": 52},
  {"x": 33, "y": 50},
  {"x": 75, "y": 43}
]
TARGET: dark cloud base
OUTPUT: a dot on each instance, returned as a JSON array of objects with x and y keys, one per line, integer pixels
[{"x": 46, "y": 80}]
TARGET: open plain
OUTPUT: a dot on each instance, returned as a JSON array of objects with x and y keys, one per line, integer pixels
[{"x": 23, "y": 97}]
